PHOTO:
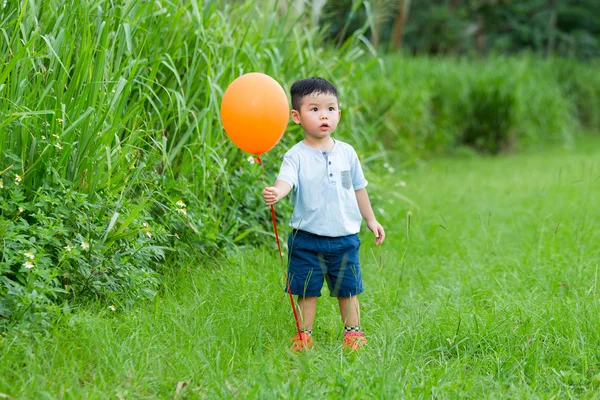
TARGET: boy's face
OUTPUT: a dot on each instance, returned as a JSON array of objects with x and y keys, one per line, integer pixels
[{"x": 319, "y": 115}]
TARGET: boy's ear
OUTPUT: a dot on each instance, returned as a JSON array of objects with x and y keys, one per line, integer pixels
[{"x": 296, "y": 116}]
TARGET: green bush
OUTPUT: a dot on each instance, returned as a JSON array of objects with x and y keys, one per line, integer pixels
[
  {"x": 61, "y": 245},
  {"x": 544, "y": 115},
  {"x": 581, "y": 84},
  {"x": 422, "y": 106},
  {"x": 488, "y": 114}
]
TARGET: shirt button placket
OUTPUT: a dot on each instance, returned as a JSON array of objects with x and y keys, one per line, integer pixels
[
  {"x": 328, "y": 165},
  {"x": 330, "y": 170}
]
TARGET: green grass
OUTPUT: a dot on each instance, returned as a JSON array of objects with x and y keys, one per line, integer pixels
[{"x": 489, "y": 291}]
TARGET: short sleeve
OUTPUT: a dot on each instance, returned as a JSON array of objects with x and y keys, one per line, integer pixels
[
  {"x": 358, "y": 177},
  {"x": 289, "y": 171}
]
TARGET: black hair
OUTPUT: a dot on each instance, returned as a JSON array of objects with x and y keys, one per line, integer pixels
[{"x": 305, "y": 87}]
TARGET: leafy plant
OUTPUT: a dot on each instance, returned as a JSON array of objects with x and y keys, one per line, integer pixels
[
  {"x": 489, "y": 114},
  {"x": 61, "y": 246}
]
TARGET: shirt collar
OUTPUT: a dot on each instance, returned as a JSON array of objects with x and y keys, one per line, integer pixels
[{"x": 323, "y": 152}]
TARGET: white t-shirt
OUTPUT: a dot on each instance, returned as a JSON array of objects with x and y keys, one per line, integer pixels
[{"x": 324, "y": 185}]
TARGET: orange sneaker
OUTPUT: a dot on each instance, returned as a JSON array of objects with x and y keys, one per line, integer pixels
[
  {"x": 301, "y": 341},
  {"x": 354, "y": 340}
]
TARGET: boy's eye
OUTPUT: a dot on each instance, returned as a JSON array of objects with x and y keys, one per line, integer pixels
[
  {"x": 331, "y": 109},
  {"x": 314, "y": 109}
]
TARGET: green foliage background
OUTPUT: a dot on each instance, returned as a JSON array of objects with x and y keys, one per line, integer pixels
[{"x": 567, "y": 28}]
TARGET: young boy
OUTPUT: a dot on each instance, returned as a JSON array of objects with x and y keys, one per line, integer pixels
[{"x": 329, "y": 198}]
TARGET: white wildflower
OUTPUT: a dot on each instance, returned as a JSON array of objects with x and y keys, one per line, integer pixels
[
  {"x": 28, "y": 265},
  {"x": 85, "y": 245},
  {"x": 29, "y": 255},
  {"x": 180, "y": 204},
  {"x": 68, "y": 248},
  {"x": 112, "y": 308},
  {"x": 251, "y": 160}
]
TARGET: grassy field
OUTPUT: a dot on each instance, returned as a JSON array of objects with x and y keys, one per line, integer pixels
[{"x": 485, "y": 287}]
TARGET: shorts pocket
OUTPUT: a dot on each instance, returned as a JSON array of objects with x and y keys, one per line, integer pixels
[{"x": 295, "y": 240}]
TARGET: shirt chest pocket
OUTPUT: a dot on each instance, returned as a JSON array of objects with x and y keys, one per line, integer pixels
[
  {"x": 346, "y": 178},
  {"x": 343, "y": 173}
]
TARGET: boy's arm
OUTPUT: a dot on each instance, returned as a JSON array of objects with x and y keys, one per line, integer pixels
[
  {"x": 272, "y": 194},
  {"x": 366, "y": 211}
]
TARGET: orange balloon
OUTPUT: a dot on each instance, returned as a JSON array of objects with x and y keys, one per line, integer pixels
[{"x": 255, "y": 112}]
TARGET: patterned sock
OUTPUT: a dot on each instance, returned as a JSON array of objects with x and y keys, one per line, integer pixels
[
  {"x": 309, "y": 331},
  {"x": 352, "y": 328}
]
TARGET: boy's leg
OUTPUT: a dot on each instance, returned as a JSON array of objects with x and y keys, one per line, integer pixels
[
  {"x": 354, "y": 339},
  {"x": 350, "y": 310},
  {"x": 307, "y": 305},
  {"x": 305, "y": 277}
]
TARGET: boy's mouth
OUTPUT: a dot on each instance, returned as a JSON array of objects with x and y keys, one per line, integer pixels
[{"x": 324, "y": 126}]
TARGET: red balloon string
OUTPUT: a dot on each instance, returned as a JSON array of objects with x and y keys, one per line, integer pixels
[{"x": 287, "y": 280}]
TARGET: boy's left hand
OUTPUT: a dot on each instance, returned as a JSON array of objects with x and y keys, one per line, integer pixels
[{"x": 377, "y": 230}]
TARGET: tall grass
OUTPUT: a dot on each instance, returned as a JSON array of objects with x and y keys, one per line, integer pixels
[
  {"x": 422, "y": 105},
  {"x": 141, "y": 81},
  {"x": 111, "y": 79}
]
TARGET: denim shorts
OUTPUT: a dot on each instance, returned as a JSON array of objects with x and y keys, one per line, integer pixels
[{"x": 313, "y": 259}]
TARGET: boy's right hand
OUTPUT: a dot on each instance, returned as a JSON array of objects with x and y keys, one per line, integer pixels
[{"x": 270, "y": 195}]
